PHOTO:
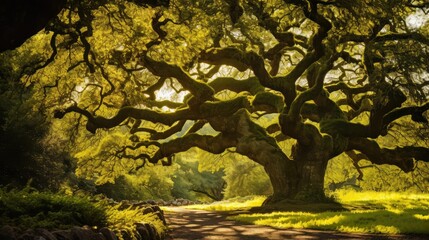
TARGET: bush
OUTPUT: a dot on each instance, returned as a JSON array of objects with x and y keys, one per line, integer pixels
[{"x": 28, "y": 208}]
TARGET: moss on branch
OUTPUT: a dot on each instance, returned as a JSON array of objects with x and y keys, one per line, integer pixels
[
  {"x": 401, "y": 157},
  {"x": 250, "y": 85},
  {"x": 206, "y": 110},
  {"x": 268, "y": 102},
  {"x": 213, "y": 144},
  {"x": 198, "y": 89}
]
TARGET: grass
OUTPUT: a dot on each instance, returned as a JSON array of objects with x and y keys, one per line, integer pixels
[{"x": 366, "y": 212}]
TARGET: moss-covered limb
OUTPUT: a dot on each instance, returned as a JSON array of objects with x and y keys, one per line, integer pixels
[
  {"x": 199, "y": 89},
  {"x": 342, "y": 86},
  {"x": 316, "y": 75},
  {"x": 222, "y": 108},
  {"x": 206, "y": 110},
  {"x": 210, "y": 73},
  {"x": 416, "y": 113},
  {"x": 273, "y": 128},
  {"x": 254, "y": 142},
  {"x": 140, "y": 145},
  {"x": 305, "y": 134},
  {"x": 330, "y": 111},
  {"x": 365, "y": 105},
  {"x": 250, "y": 85},
  {"x": 311, "y": 111},
  {"x": 95, "y": 122},
  {"x": 177, "y": 127},
  {"x": 401, "y": 157},
  {"x": 164, "y": 103},
  {"x": 310, "y": 11},
  {"x": 268, "y": 102},
  {"x": 213, "y": 144},
  {"x": 225, "y": 56},
  {"x": 348, "y": 129},
  {"x": 276, "y": 57},
  {"x": 385, "y": 109},
  {"x": 136, "y": 128},
  {"x": 246, "y": 60}
]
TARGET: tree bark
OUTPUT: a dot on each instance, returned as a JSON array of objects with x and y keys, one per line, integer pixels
[{"x": 311, "y": 176}]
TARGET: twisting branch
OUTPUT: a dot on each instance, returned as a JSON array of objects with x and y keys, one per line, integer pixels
[
  {"x": 200, "y": 90},
  {"x": 169, "y": 132},
  {"x": 356, "y": 157},
  {"x": 416, "y": 113},
  {"x": 401, "y": 157},
  {"x": 213, "y": 144},
  {"x": 206, "y": 110}
]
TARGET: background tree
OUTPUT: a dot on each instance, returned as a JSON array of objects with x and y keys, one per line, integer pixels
[
  {"x": 328, "y": 77},
  {"x": 29, "y": 152}
]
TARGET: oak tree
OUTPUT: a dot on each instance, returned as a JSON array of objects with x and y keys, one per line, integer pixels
[{"x": 326, "y": 77}]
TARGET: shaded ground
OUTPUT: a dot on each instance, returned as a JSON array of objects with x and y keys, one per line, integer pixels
[{"x": 205, "y": 225}]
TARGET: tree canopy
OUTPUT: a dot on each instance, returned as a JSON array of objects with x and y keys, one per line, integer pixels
[{"x": 290, "y": 84}]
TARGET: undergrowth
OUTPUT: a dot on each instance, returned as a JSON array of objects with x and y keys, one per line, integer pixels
[
  {"x": 28, "y": 208},
  {"x": 125, "y": 219}
]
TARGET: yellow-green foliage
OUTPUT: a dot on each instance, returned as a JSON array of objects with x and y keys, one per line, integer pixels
[
  {"x": 28, "y": 208},
  {"x": 369, "y": 212},
  {"x": 124, "y": 219},
  {"x": 241, "y": 203}
]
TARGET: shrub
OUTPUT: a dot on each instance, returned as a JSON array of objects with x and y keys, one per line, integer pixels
[{"x": 28, "y": 208}]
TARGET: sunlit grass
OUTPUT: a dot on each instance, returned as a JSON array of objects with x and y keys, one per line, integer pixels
[
  {"x": 368, "y": 212},
  {"x": 232, "y": 204},
  {"x": 369, "y": 221}
]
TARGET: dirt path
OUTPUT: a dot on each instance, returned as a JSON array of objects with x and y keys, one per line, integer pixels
[{"x": 205, "y": 225}]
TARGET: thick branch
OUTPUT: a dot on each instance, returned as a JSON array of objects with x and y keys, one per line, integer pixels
[
  {"x": 169, "y": 132},
  {"x": 416, "y": 113},
  {"x": 291, "y": 121},
  {"x": 250, "y": 85},
  {"x": 401, "y": 157},
  {"x": 387, "y": 37},
  {"x": 213, "y": 144},
  {"x": 199, "y": 89},
  {"x": 206, "y": 110}
]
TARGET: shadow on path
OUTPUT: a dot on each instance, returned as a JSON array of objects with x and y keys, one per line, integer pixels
[{"x": 204, "y": 225}]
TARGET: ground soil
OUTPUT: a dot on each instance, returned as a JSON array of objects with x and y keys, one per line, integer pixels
[{"x": 205, "y": 225}]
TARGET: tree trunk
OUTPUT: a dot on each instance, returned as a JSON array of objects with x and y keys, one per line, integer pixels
[
  {"x": 299, "y": 179},
  {"x": 311, "y": 167},
  {"x": 283, "y": 177},
  {"x": 311, "y": 175}
]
